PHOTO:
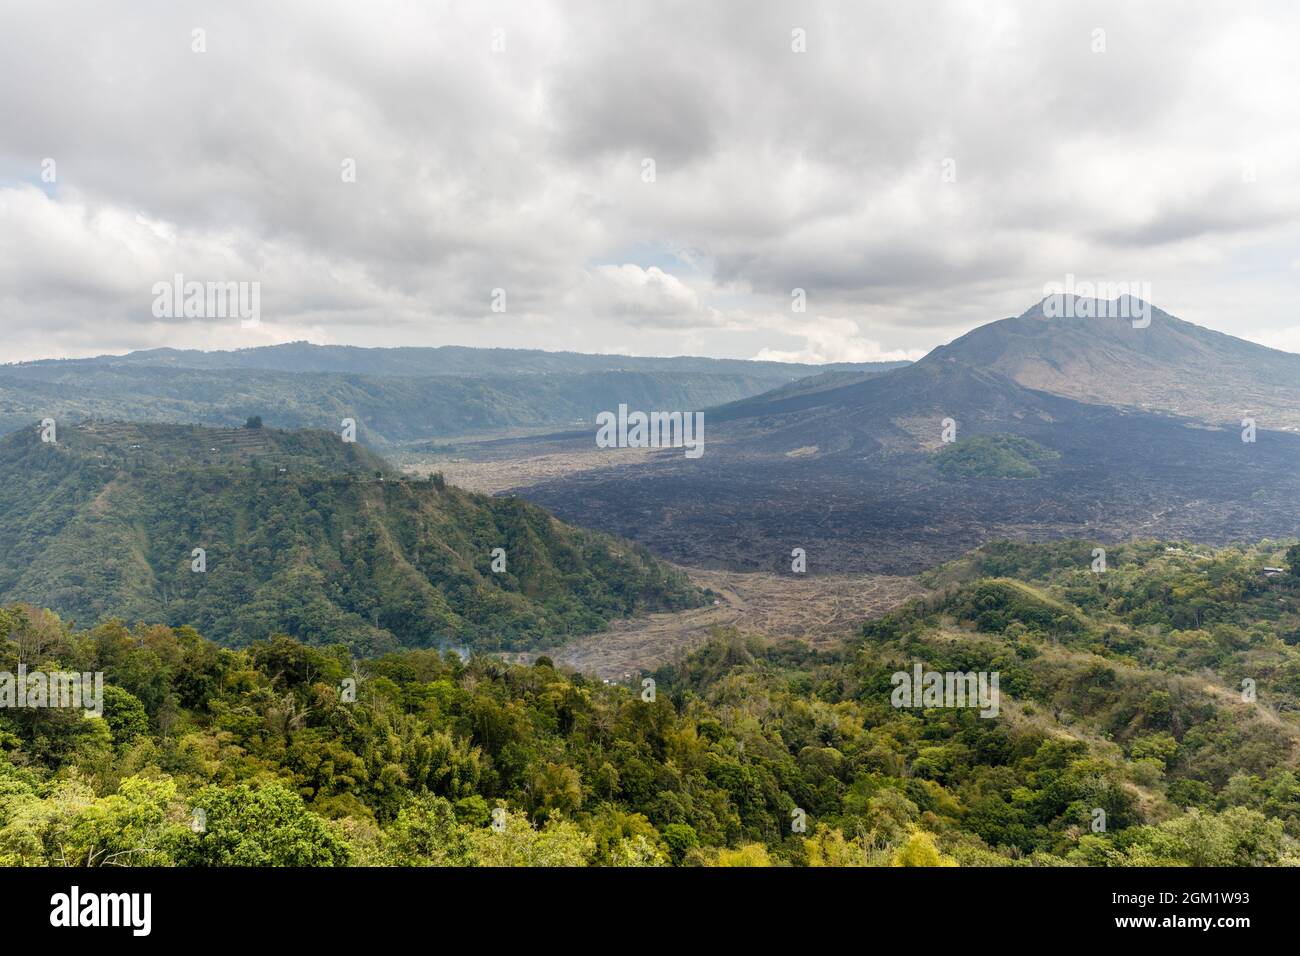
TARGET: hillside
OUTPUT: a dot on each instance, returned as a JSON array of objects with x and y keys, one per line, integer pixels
[
  {"x": 388, "y": 410},
  {"x": 1171, "y": 366},
  {"x": 1121, "y": 738},
  {"x": 449, "y": 360},
  {"x": 398, "y": 395},
  {"x": 801, "y": 393},
  {"x": 849, "y": 472},
  {"x": 303, "y": 534}
]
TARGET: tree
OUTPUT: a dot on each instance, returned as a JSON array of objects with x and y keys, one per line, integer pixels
[
  {"x": 751, "y": 854},
  {"x": 637, "y": 851},
  {"x": 920, "y": 850},
  {"x": 138, "y": 826},
  {"x": 124, "y": 714},
  {"x": 1293, "y": 560},
  {"x": 426, "y": 833},
  {"x": 516, "y": 843},
  {"x": 681, "y": 839},
  {"x": 828, "y": 847},
  {"x": 1236, "y": 837},
  {"x": 269, "y": 826},
  {"x": 623, "y": 838},
  {"x": 254, "y": 421}
]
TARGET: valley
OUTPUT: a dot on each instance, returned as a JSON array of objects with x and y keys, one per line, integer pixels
[
  {"x": 821, "y": 611},
  {"x": 387, "y": 646},
  {"x": 851, "y": 475},
  {"x": 546, "y": 436}
]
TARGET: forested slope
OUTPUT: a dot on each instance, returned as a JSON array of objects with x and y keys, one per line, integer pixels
[
  {"x": 301, "y": 533},
  {"x": 1121, "y": 694}
]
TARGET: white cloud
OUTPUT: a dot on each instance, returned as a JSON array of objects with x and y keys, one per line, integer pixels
[
  {"x": 645, "y": 297},
  {"x": 522, "y": 169},
  {"x": 837, "y": 340}
]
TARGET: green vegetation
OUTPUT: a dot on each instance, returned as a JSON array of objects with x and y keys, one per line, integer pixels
[
  {"x": 1121, "y": 693},
  {"x": 302, "y": 534},
  {"x": 992, "y": 456},
  {"x": 390, "y": 409}
]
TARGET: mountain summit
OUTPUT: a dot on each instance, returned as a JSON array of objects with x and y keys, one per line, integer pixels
[
  {"x": 1034, "y": 426},
  {"x": 1096, "y": 355}
]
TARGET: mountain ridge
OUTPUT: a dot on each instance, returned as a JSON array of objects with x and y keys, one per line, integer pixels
[
  {"x": 396, "y": 396},
  {"x": 301, "y": 533},
  {"x": 851, "y": 471},
  {"x": 431, "y": 360},
  {"x": 1172, "y": 366}
]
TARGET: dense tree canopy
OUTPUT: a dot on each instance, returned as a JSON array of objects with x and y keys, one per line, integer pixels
[
  {"x": 1116, "y": 705},
  {"x": 304, "y": 534}
]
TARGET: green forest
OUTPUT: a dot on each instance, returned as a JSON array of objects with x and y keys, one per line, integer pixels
[
  {"x": 390, "y": 409},
  {"x": 302, "y": 534},
  {"x": 1160, "y": 691},
  {"x": 992, "y": 456}
]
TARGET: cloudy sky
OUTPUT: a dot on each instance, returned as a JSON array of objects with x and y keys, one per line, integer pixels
[{"x": 917, "y": 169}]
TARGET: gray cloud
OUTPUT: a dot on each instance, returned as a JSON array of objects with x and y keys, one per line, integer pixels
[{"x": 521, "y": 169}]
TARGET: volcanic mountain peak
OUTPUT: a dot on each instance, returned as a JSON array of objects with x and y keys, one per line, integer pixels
[{"x": 1107, "y": 352}]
